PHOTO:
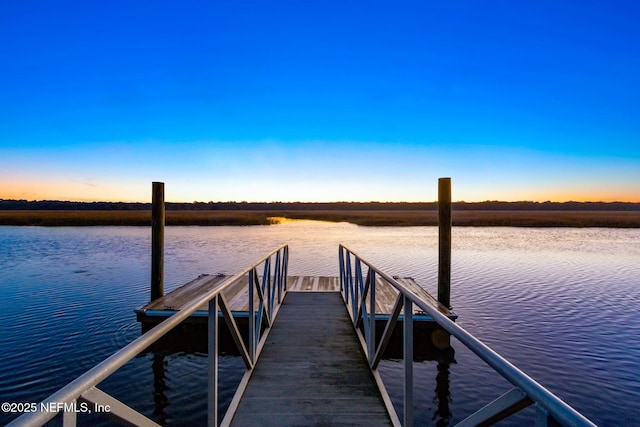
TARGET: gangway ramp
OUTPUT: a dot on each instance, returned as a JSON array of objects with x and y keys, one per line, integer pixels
[{"x": 312, "y": 370}]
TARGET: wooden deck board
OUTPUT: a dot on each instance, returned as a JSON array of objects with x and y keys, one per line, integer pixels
[
  {"x": 179, "y": 297},
  {"x": 418, "y": 290},
  {"x": 312, "y": 372},
  {"x": 385, "y": 296}
]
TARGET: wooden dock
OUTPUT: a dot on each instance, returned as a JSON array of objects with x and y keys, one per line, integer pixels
[
  {"x": 312, "y": 369},
  {"x": 236, "y": 296},
  {"x": 192, "y": 333}
]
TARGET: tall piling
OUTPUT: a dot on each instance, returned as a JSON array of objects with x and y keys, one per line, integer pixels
[
  {"x": 157, "y": 240},
  {"x": 444, "y": 241}
]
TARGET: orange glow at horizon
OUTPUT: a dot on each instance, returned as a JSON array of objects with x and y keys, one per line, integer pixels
[
  {"x": 560, "y": 195},
  {"x": 141, "y": 192},
  {"x": 72, "y": 191}
]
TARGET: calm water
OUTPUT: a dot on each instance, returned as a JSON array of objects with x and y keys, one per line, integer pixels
[{"x": 562, "y": 304}]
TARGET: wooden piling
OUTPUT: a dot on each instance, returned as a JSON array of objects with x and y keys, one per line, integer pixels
[
  {"x": 157, "y": 240},
  {"x": 444, "y": 241}
]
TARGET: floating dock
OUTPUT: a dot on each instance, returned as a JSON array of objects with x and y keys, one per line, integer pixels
[
  {"x": 237, "y": 296},
  {"x": 191, "y": 335}
]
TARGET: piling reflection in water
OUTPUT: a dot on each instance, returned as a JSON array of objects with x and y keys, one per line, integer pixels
[
  {"x": 160, "y": 400},
  {"x": 442, "y": 413},
  {"x": 186, "y": 403}
]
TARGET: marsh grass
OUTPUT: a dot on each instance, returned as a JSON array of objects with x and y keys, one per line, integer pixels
[
  {"x": 617, "y": 219},
  {"x": 52, "y": 218},
  {"x": 56, "y": 218}
]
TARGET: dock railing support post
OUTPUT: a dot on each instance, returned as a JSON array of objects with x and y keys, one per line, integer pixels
[
  {"x": 408, "y": 361},
  {"x": 212, "y": 350},
  {"x": 444, "y": 241},
  {"x": 157, "y": 241}
]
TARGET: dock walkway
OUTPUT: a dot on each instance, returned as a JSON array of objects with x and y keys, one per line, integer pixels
[{"x": 312, "y": 370}]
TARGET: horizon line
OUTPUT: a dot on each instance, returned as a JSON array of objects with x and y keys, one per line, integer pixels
[{"x": 315, "y": 202}]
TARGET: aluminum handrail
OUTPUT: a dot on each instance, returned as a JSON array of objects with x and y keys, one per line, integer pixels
[
  {"x": 557, "y": 408},
  {"x": 74, "y": 390}
]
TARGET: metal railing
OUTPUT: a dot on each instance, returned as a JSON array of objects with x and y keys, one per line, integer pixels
[
  {"x": 359, "y": 294},
  {"x": 269, "y": 288}
]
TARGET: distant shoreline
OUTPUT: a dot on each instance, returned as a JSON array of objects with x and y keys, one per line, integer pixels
[
  {"x": 473, "y": 218},
  {"x": 51, "y": 205}
]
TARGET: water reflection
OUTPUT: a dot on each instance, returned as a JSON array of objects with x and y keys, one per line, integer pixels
[
  {"x": 160, "y": 388},
  {"x": 92, "y": 278},
  {"x": 442, "y": 413}
]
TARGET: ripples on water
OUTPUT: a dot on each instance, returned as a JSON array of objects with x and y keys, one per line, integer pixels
[{"x": 561, "y": 304}]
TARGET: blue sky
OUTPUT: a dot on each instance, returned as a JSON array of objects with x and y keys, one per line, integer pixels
[{"x": 320, "y": 101}]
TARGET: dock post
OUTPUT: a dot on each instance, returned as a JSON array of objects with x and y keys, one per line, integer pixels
[
  {"x": 157, "y": 240},
  {"x": 444, "y": 241}
]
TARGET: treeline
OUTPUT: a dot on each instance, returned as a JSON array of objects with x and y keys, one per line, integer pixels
[{"x": 303, "y": 206}]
